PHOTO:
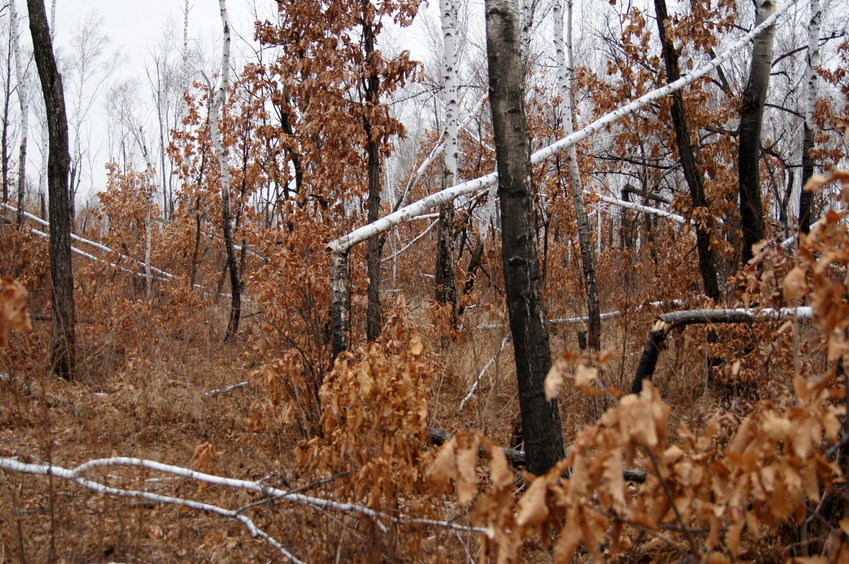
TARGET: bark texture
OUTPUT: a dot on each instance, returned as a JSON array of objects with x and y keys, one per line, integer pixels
[
  {"x": 58, "y": 163},
  {"x": 23, "y": 99},
  {"x": 375, "y": 244},
  {"x": 813, "y": 61},
  {"x": 667, "y": 322},
  {"x": 751, "y": 121},
  {"x": 446, "y": 275},
  {"x": 540, "y": 418},
  {"x": 221, "y": 150},
  {"x": 340, "y": 295},
  {"x": 687, "y": 154},
  {"x": 585, "y": 236}
]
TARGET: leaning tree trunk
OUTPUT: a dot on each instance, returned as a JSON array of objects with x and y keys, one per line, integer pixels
[
  {"x": 695, "y": 182},
  {"x": 221, "y": 150},
  {"x": 585, "y": 242},
  {"x": 375, "y": 244},
  {"x": 543, "y": 434},
  {"x": 751, "y": 120},
  {"x": 813, "y": 61},
  {"x": 61, "y": 274},
  {"x": 446, "y": 275}
]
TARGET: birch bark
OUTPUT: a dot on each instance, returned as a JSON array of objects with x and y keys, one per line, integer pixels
[
  {"x": 446, "y": 276},
  {"x": 23, "y": 99},
  {"x": 813, "y": 61},
  {"x": 221, "y": 151},
  {"x": 585, "y": 242},
  {"x": 751, "y": 122}
]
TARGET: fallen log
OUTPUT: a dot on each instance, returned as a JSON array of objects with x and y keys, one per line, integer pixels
[{"x": 667, "y": 322}]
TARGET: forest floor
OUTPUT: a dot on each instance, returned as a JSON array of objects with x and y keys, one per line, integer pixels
[{"x": 153, "y": 403}]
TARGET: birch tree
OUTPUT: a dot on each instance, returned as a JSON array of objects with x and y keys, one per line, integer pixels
[
  {"x": 564, "y": 87},
  {"x": 751, "y": 122},
  {"x": 543, "y": 435},
  {"x": 6, "y": 117},
  {"x": 812, "y": 61},
  {"x": 218, "y": 141},
  {"x": 23, "y": 100},
  {"x": 446, "y": 276},
  {"x": 61, "y": 274}
]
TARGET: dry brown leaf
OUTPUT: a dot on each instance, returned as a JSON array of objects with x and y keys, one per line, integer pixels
[
  {"x": 816, "y": 182},
  {"x": 499, "y": 470},
  {"x": 416, "y": 345},
  {"x": 444, "y": 467},
  {"x": 776, "y": 427},
  {"x": 568, "y": 542},
  {"x": 795, "y": 283},
  {"x": 13, "y": 309},
  {"x": 533, "y": 509},
  {"x": 467, "y": 474},
  {"x": 554, "y": 379},
  {"x": 844, "y": 525},
  {"x": 584, "y": 375}
]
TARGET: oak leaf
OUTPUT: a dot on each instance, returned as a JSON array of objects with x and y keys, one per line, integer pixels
[
  {"x": 13, "y": 309},
  {"x": 794, "y": 283},
  {"x": 554, "y": 379},
  {"x": 533, "y": 509}
]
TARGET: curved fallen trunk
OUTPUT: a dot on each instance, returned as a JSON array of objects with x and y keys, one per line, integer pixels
[{"x": 667, "y": 322}]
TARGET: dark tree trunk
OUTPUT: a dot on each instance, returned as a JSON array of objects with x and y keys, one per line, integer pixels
[
  {"x": 806, "y": 198},
  {"x": 695, "y": 182},
  {"x": 474, "y": 264},
  {"x": 751, "y": 120},
  {"x": 340, "y": 295},
  {"x": 375, "y": 244},
  {"x": 543, "y": 433},
  {"x": 6, "y": 103},
  {"x": 446, "y": 274},
  {"x": 62, "y": 277},
  {"x": 627, "y": 228}
]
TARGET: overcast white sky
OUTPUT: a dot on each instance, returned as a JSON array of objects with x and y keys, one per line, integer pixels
[{"x": 136, "y": 26}]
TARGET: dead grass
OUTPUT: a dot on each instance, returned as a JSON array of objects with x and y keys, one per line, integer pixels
[{"x": 140, "y": 394}]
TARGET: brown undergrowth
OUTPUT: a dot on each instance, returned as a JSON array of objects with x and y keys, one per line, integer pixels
[{"x": 742, "y": 455}]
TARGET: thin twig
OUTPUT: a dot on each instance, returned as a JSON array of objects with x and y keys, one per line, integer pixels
[{"x": 474, "y": 388}]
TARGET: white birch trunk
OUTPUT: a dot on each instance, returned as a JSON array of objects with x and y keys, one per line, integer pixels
[
  {"x": 446, "y": 285},
  {"x": 526, "y": 19},
  {"x": 451, "y": 92},
  {"x": 148, "y": 244},
  {"x": 813, "y": 61},
  {"x": 218, "y": 141},
  {"x": 23, "y": 99},
  {"x": 565, "y": 80}
]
